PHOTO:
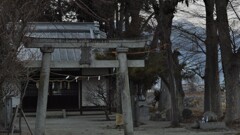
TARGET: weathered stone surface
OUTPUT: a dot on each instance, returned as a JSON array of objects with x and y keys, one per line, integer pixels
[
  {"x": 212, "y": 125},
  {"x": 143, "y": 111},
  {"x": 210, "y": 116}
]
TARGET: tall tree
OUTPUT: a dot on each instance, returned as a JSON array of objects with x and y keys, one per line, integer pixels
[
  {"x": 164, "y": 13},
  {"x": 133, "y": 30},
  {"x": 211, "y": 78},
  {"x": 230, "y": 62}
]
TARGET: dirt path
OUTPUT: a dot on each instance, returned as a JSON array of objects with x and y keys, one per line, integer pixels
[{"x": 96, "y": 125}]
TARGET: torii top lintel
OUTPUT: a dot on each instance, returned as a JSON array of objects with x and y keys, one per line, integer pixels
[{"x": 76, "y": 43}]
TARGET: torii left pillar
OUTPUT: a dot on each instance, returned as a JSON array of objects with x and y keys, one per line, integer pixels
[
  {"x": 43, "y": 91},
  {"x": 123, "y": 85}
]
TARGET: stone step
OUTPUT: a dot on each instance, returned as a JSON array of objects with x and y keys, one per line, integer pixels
[{"x": 213, "y": 125}]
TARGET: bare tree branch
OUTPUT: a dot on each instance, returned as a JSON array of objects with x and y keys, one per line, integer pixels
[
  {"x": 191, "y": 34},
  {"x": 234, "y": 10}
]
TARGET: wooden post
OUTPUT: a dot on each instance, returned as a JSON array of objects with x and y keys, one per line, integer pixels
[
  {"x": 43, "y": 91},
  {"x": 80, "y": 94},
  {"x": 123, "y": 85},
  {"x": 8, "y": 110}
]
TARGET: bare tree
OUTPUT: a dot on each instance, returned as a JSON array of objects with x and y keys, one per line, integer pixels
[
  {"x": 210, "y": 51},
  {"x": 230, "y": 61},
  {"x": 164, "y": 13},
  {"x": 98, "y": 96},
  {"x": 14, "y": 16}
]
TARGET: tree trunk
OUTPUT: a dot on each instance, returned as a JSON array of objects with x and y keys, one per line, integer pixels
[
  {"x": 1, "y": 110},
  {"x": 126, "y": 15},
  {"x": 180, "y": 98},
  {"x": 111, "y": 29},
  {"x": 134, "y": 87},
  {"x": 166, "y": 45},
  {"x": 135, "y": 7},
  {"x": 59, "y": 10},
  {"x": 164, "y": 18},
  {"x": 230, "y": 63},
  {"x": 120, "y": 23},
  {"x": 106, "y": 112},
  {"x": 164, "y": 104},
  {"x": 178, "y": 78},
  {"x": 173, "y": 89},
  {"x": 212, "y": 88}
]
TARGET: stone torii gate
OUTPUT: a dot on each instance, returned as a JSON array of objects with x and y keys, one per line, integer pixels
[{"x": 47, "y": 46}]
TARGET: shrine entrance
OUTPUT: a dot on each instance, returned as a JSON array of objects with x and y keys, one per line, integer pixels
[{"x": 41, "y": 39}]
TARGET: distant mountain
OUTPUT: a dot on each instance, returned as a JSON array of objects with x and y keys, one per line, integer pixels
[{"x": 191, "y": 20}]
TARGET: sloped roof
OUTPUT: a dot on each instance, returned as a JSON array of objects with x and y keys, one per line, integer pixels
[{"x": 60, "y": 30}]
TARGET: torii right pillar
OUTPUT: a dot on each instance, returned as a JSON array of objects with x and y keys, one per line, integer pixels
[{"x": 123, "y": 85}]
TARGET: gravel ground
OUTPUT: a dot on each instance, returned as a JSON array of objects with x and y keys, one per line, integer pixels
[{"x": 96, "y": 125}]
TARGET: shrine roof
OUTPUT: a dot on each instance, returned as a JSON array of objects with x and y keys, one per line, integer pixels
[
  {"x": 64, "y": 30},
  {"x": 60, "y": 30}
]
